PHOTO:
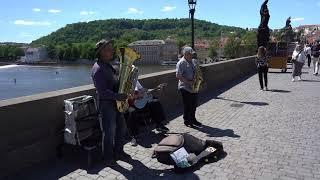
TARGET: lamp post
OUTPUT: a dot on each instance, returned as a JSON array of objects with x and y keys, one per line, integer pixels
[{"x": 192, "y": 8}]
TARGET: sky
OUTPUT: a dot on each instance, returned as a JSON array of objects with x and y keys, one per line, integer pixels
[{"x": 27, "y": 20}]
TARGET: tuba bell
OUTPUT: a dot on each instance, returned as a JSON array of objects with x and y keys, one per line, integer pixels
[{"x": 127, "y": 75}]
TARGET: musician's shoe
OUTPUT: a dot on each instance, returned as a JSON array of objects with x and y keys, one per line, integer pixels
[
  {"x": 133, "y": 142},
  {"x": 197, "y": 123},
  {"x": 188, "y": 124},
  {"x": 162, "y": 128}
]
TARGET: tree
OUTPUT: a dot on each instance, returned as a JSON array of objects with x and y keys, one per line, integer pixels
[
  {"x": 68, "y": 53},
  {"x": 129, "y": 30},
  {"x": 6, "y": 51},
  {"x": 11, "y": 52},
  {"x": 91, "y": 52},
  {"x": 249, "y": 43},
  {"x": 232, "y": 47},
  {"x": 18, "y": 52},
  {"x": 51, "y": 49},
  {"x": 61, "y": 51},
  {"x": 180, "y": 44},
  {"x": 75, "y": 52},
  {"x": 212, "y": 52},
  {"x": 1, "y": 51}
]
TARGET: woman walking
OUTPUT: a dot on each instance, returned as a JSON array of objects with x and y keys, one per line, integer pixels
[
  {"x": 298, "y": 59},
  {"x": 262, "y": 67}
]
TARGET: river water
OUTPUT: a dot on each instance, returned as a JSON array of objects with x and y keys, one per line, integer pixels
[{"x": 21, "y": 80}]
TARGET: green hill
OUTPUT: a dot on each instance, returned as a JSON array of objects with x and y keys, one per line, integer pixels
[
  {"x": 124, "y": 31},
  {"x": 78, "y": 40}
]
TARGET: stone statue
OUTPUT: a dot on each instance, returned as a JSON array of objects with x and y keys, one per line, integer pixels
[
  {"x": 264, "y": 13},
  {"x": 288, "y": 22},
  {"x": 263, "y": 35},
  {"x": 287, "y": 34}
]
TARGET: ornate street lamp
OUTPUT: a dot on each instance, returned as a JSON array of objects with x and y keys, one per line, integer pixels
[{"x": 192, "y": 9}]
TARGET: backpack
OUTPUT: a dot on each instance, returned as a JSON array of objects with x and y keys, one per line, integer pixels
[{"x": 197, "y": 149}]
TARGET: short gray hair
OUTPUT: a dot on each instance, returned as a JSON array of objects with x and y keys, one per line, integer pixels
[{"x": 187, "y": 49}]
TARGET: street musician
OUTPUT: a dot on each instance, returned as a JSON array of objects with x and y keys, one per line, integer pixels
[
  {"x": 143, "y": 101},
  {"x": 113, "y": 123}
]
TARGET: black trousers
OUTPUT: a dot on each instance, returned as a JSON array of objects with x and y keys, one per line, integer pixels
[
  {"x": 309, "y": 60},
  {"x": 263, "y": 74},
  {"x": 153, "y": 109},
  {"x": 190, "y": 103}
]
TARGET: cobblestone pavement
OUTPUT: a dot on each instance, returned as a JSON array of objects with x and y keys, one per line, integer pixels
[{"x": 266, "y": 134}]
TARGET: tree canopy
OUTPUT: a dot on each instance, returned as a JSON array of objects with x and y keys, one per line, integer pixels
[
  {"x": 124, "y": 31},
  {"x": 10, "y": 52},
  {"x": 77, "y": 40}
]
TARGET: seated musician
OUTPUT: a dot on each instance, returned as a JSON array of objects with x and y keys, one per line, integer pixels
[{"x": 143, "y": 101}]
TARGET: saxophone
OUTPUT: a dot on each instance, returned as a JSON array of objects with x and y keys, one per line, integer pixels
[
  {"x": 128, "y": 75},
  {"x": 197, "y": 79}
]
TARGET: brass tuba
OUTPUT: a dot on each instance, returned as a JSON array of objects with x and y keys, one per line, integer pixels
[
  {"x": 127, "y": 72},
  {"x": 197, "y": 79}
]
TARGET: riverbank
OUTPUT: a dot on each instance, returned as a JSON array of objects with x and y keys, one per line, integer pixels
[
  {"x": 59, "y": 63},
  {"x": 7, "y": 63}
]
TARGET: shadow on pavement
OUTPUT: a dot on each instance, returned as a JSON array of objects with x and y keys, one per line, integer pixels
[
  {"x": 216, "y": 132},
  {"x": 288, "y": 72},
  {"x": 207, "y": 96},
  {"x": 243, "y": 102},
  {"x": 147, "y": 139},
  {"x": 310, "y": 80},
  {"x": 279, "y": 91},
  {"x": 134, "y": 169},
  {"x": 139, "y": 171},
  {"x": 73, "y": 159}
]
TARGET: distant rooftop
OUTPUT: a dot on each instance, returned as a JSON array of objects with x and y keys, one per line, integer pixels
[{"x": 147, "y": 42}]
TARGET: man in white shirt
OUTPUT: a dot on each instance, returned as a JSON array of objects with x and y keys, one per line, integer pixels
[{"x": 185, "y": 71}]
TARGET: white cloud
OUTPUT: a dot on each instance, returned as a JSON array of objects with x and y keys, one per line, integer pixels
[
  {"x": 54, "y": 11},
  {"x": 36, "y": 10},
  {"x": 297, "y": 19},
  {"x": 86, "y": 13},
  {"x": 31, "y": 23},
  {"x": 168, "y": 8},
  {"x": 134, "y": 11}
]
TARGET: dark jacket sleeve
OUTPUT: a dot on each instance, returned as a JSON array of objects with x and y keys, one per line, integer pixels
[{"x": 104, "y": 91}]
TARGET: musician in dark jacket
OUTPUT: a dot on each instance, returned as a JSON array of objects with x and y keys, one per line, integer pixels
[
  {"x": 262, "y": 67},
  {"x": 106, "y": 82},
  {"x": 144, "y": 102}
]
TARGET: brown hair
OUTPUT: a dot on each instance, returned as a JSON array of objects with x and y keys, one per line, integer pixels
[{"x": 262, "y": 52}]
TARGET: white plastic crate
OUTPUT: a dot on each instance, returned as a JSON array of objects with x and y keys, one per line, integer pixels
[{"x": 81, "y": 119}]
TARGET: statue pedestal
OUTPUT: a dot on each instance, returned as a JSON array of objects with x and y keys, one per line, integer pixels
[{"x": 263, "y": 36}]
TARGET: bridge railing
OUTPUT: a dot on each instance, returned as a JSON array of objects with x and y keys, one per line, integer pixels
[{"x": 31, "y": 126}]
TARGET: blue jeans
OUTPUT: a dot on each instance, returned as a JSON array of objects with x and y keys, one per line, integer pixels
[{"x": 113, "y": 129}]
